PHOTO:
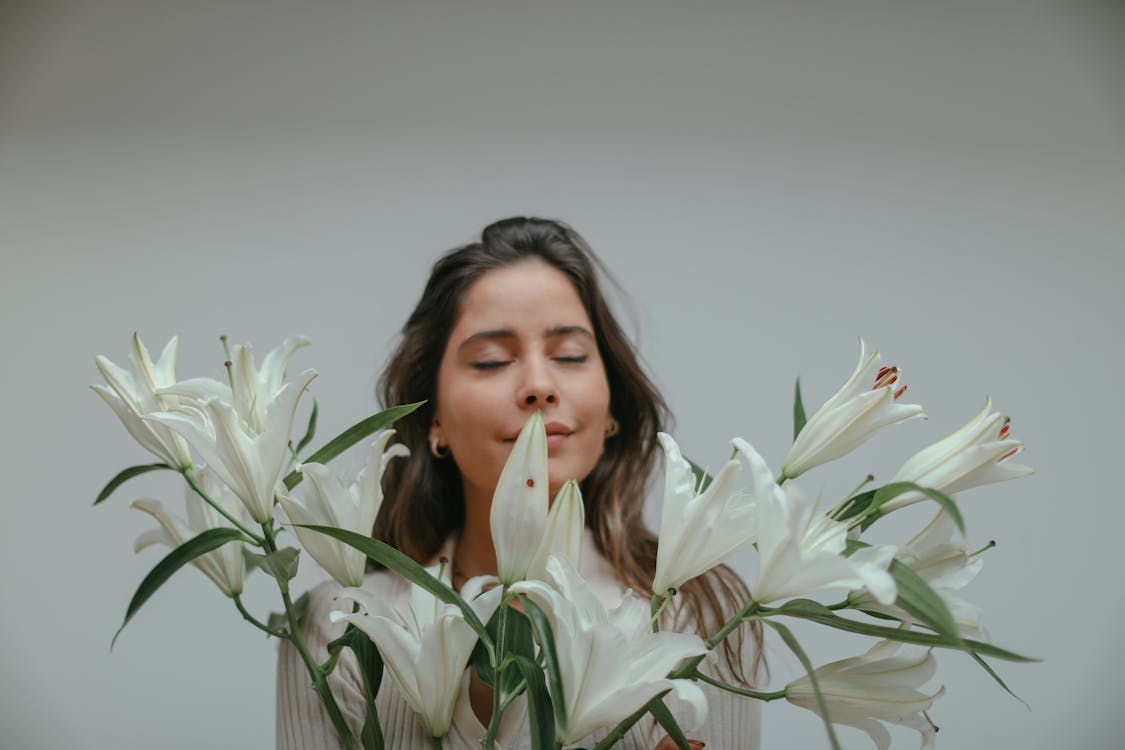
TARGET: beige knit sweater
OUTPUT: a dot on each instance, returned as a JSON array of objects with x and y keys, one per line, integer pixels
[{"x": 732, "y": 721}]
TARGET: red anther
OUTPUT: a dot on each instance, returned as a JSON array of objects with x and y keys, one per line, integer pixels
[
  {"x": 1005, "y": 429},
  {"x": 1012, "y": 452},
  {"x": 899, "y": 392},
  {"x": 886, "y": 376}
]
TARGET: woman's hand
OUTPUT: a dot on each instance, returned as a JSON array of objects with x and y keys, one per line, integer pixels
[{"x": 668, "y": 744}]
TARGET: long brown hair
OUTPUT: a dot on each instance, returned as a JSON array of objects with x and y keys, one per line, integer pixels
[{"x": 424, "y": 501}]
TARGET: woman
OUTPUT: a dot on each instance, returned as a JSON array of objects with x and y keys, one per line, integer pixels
[{"x": 506, "y": 326}]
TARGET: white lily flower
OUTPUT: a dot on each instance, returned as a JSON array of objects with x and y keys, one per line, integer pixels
[
  {"x": 133, "y": 393},
  {"x": 340, "y": 497},
  {"x": 699, "y": 531},
  {"x": 976, "y": 454},
  {"x": 938, "y": 555},
  {"x": 250, "y": 389},
  {"x": 866, "y": 404},
  {"x": 611, "y": 662},
  {"x": 519, "y": 504},
  {"x": 224, "y": 565},
  {"x": 801, "y": 551},
  {"x": 427, "y": 648},
  {"x": 877, "y": 686},
  {"x": 566, "y": 521},
  {"x": 248, "y": 459}
]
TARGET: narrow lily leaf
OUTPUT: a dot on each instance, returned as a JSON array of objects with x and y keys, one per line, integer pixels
[
  {"x": 795, "y": 647},
  {"x": 856, "y": 505},
  {"x": 350, "y": 437},
  {"x": 988, "y": 668},
  {"x": 371, "y": 672},
  {"x": 546, "y": 638},
  {"x": 310, "y": 431},
  {"x": 664, "y": 717},
  {"x": 894, "y": 489},
  {"x": 538, "y": 704},
  {"x": 279, "y": 622},
  {"x": 897, "y": 634},
  {"x": 799, "y": 419},
  {"x": 176, "y": 559},
  {"x": 803, "y": 608},
  {"x": 281, "y": 564},
  {"x": 702, "y": 478},
  {"x": 125, "y": 475},
  {"x": 389, "y": 557},
  {"x": 920, "y": 601},
  {"x": 916, "y": 597}
]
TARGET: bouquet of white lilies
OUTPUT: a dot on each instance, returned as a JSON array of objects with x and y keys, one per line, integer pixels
[{"x": 584, "y": 668}]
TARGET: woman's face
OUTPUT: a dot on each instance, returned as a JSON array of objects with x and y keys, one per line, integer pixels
[{"x": 522, "y": 342}]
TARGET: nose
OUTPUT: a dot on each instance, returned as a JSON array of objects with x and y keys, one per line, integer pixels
[{"x": 538, "y": 388}]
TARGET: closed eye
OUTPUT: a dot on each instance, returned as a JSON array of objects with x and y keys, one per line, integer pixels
[
  {"x": 490, "y": 364},
  {"x": 576, "y": 359}
]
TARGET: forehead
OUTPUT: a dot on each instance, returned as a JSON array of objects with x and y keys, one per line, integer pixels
[{"x": 530, "y": 292}]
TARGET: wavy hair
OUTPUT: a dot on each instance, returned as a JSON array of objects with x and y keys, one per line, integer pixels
[{"x": 424, "y": 501}]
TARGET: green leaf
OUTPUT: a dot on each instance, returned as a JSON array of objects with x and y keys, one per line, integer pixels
[
  {"x": 922, "y": 602},
  {"x": 898, "y": 634},
  {"x": 988, "y": 668},
  {"x": 803, "y": 608},
  {"x": 799, "y": 419},
  {"x": 795, "y": 647},
  {"x": 279, "y": 622},
  {"x": 890, "y": 491},
  {"x": 546, "y": 639},
  {"x": 350, "y": 437},
  {"x": 518, "y": 640},
  {"x": 665, "y": 718},
  {"x": 371, "y": 672},
  {"x": 702, "y": 478},
  {"x": 310, "y": 431},
  {"x": 916, "y": 597},
  {"x": 539, "y": 705},
  {"x": 125, "y": 475},
  {"x": 389, "y": 557},
  {"x": 856, "y": 505},
  {"x": 281, "y": 564},
  {"x": 176, "y": 559}
]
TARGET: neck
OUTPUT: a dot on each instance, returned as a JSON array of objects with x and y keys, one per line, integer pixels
[{"x": 475, "y": 555}]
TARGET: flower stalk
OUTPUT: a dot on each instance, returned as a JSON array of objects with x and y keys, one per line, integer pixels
[{"x": 316, "y": 674}]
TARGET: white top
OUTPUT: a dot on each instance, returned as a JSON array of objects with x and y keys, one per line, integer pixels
[{"x": 732, "y": 721}]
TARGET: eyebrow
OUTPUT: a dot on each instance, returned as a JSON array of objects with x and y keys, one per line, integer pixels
[{"x": 508, "y": 333}]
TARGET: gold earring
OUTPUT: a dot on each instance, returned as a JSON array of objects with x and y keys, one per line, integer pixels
[
  {"x": 612, "y": 428},
  {"x": 439, "y": 451}
]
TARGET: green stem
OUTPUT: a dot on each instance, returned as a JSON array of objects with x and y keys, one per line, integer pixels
[
  {"x": 437, "y": 743},
  {"x": 319, "y": 681},
  {"x": 501, "y": 631},
  {"x": 657, "y": 609},
  {"x": 186, "y": 472},
  {"x": 254, "y": 621},
  {"x": 688, "y": 669},
  {"x": 740, "y": 691}
]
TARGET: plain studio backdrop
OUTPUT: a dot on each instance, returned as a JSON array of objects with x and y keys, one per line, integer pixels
[{"x": 767, "y": 181}]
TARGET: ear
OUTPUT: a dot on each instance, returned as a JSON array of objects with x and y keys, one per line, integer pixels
[{"x": 436, "y": 432}]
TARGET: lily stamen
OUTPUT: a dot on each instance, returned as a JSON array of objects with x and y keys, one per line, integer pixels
[{"x": 886, "y": 376}]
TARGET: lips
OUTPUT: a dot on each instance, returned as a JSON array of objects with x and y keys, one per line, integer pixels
[
  {"x": 557, "y": 433},
  {"x": 557, "y": 428}
]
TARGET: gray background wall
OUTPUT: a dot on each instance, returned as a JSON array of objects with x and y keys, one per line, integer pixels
[{"x": 767, "y": 180}]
